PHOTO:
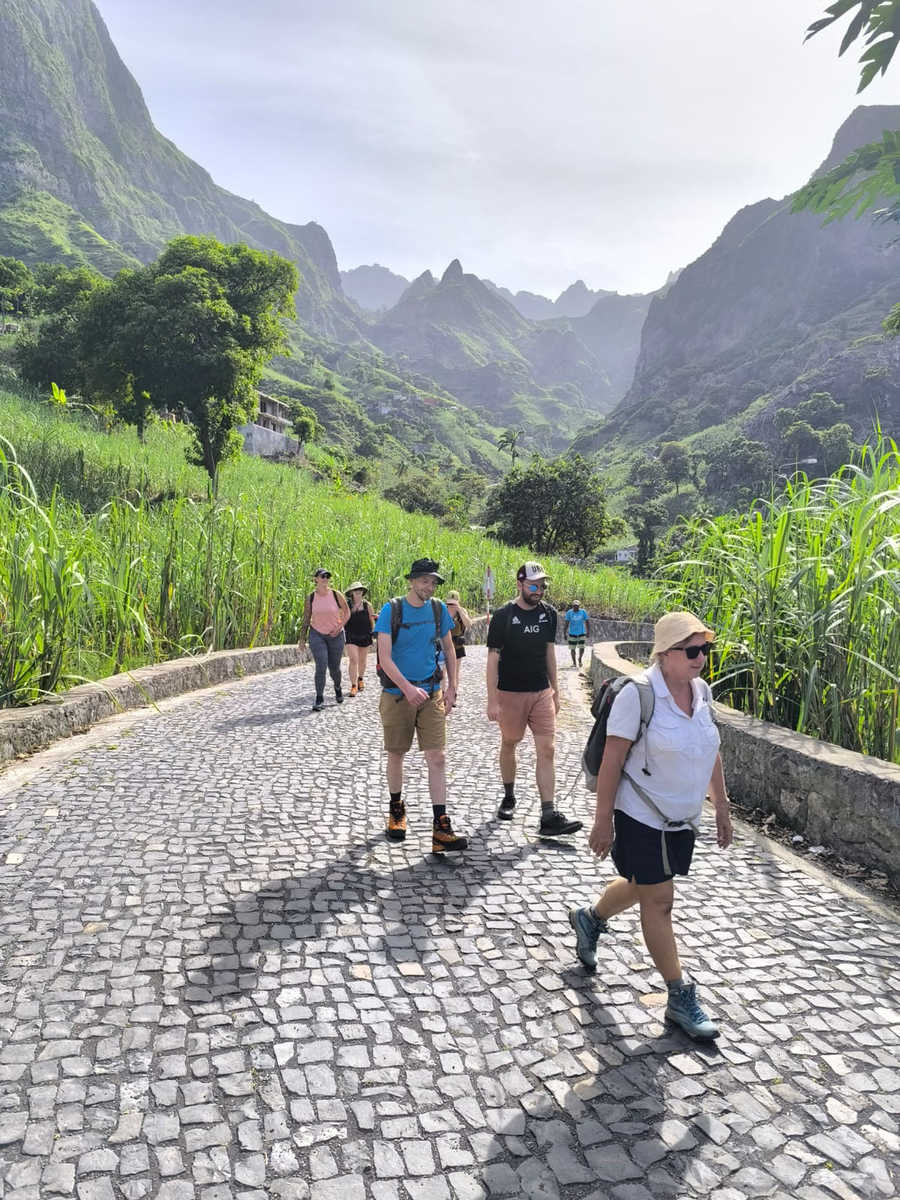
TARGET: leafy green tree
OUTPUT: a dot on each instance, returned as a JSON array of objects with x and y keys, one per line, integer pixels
[
  {"x": 509, "y": 441},
  {"x": 418, "y": 494},
  {"x": 648, "y": 477},
  {"x": 783, "y": 418},
  {"x": 675, "y": 459},
  {"x": 647, "y": 519},
  {"x": 836, "y": 445},
  {"x": 193, "y": 331},
  {"x": 696, "y": 462},
  {"x": 738, "y": 469},
  {"x": 821, "y": 410},
  {"x": 304, "y": 421},
  {"x": 555, "y": 507},
  {"x": 59, "y": 288},
  {"x": 16, "y": 287},
  {"x": 800, "y": 440},
  {"x": 53, "y": 354}
]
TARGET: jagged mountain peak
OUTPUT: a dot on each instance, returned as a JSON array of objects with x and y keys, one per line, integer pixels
[
  {"x": 454, "y": 273},
  {"x": 865, "y": 124}
]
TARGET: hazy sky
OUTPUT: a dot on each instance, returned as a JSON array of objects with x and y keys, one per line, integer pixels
[{"x": 538, "y": 142}]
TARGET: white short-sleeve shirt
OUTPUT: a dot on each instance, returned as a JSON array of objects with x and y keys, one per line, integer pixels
[{"x": 680, "y": 752}]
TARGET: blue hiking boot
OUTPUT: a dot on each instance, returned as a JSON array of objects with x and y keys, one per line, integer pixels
[
  {"x": 684, "y": 1010},
  {"x": 587, "y": 930}
]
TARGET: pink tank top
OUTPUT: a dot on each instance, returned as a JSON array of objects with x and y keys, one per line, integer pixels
[{"x": 326, "y": 617}]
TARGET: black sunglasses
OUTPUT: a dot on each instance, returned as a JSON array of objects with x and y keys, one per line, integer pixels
[
  {"x": 323, "y": 575},
  {"x": 694, "y": 651}
]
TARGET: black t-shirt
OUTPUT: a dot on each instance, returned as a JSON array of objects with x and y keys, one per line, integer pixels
[{"x": 522, "y": 635}]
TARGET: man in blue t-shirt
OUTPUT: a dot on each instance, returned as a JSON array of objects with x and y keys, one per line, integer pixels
[
  {"x": 413, "y": 700},
  {"x": 577, "y": 628}
]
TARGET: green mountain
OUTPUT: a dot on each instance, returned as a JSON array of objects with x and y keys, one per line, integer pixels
[
  {"x": 778, "y": 308},
  {"x": 85, "y": 177},
  {"x": 466, "y": 336}
]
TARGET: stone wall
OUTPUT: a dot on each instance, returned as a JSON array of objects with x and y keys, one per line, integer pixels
[
  {"x": 833, "y": 797},
  {"x": 25, "y": 730},
  {"x": 266, "y": 442}
]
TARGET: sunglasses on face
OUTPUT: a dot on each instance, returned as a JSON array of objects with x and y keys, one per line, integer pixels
[
  {"x": 324, "y": 575},
  {"x": 536, "y": 587},
  {"x": 694, "y": 651}
]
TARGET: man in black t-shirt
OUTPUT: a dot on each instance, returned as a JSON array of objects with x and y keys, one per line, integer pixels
[{"x": 523, "y": 693}]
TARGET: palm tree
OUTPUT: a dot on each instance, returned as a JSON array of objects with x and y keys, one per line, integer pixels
[{"x": 508, "y": 440}]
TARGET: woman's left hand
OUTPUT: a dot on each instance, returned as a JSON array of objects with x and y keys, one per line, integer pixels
[{"x": 724, "y": 831}]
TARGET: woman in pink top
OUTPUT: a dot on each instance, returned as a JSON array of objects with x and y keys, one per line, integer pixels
[{"x": 324, "y": 616}]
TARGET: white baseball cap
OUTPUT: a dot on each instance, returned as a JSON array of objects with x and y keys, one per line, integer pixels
[{"x": 530, "y": 572}]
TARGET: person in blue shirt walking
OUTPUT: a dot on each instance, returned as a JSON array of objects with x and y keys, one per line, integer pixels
[
  {"x": 410, "y": 631},
  {"x": 577, "y": 629}
]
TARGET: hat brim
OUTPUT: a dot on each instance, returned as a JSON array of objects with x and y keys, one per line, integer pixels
[
  {"x": 356, "y": 587},
  {"x": 427, "y": 575},
  {"x": 709, "y": 633}
]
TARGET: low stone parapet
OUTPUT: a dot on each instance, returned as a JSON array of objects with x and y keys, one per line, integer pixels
[
  {"x": 833, "y": 797},
  {"x": 25, "y": 730}
]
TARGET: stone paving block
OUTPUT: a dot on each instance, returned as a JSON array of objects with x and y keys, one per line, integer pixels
[{"x": 219, "y": 1004}]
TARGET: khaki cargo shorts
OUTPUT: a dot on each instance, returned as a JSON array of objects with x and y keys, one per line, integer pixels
[
  {"x": 526, "y": 710},
  {"x": 399, "y": 719}
]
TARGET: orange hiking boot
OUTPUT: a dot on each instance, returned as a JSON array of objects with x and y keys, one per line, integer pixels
[
  {"x": 396, "y": 824},
  {"x": 360, "y": 684},
  {"x": 443, "y": 838},
  {"x": 354, "y": 689}
]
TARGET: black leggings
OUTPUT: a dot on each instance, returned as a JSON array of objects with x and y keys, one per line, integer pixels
[{"x": 326, "y": 652}]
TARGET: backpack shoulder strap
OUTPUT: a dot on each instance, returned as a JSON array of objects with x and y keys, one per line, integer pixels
[
  {"x": 648, "y": 701},
  {"x": 396, "y": 616},
  {"x": 436, "y": 613}
]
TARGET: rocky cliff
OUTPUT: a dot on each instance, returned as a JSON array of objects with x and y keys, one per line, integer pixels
[
  {"x": 775, "y": 299},
  {"x": 464, "y": 334},
  {"x": 86, "y": 177}
]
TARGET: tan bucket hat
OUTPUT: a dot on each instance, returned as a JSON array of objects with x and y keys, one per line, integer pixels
[
  {"x": 356, "y": 586},
  {"x": 675, "y": 627}
]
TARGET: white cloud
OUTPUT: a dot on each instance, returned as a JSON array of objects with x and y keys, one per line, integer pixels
[{"x": 537, "y": 143}]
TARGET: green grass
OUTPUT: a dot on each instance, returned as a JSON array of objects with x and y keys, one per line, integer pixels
[
  {"x": 111, "y": 555},
  {"x": 804, "y": 593}
]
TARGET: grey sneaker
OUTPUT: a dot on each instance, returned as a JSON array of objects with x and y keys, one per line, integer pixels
[
  {"x": 684, "y": 1010},
  {"x": 587, "y": 930}
]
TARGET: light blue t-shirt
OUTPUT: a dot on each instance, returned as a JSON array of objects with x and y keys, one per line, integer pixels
[
  {"x": 577, "y": 621},
  {"x": 414, "y": 651}
]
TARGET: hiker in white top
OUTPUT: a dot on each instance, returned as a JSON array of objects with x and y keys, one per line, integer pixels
[{"x": 650, "y": 793}]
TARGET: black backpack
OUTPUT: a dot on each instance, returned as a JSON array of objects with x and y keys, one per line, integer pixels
[
  {"x": 397, "y": 624},
  {"x": 603, "y": 702}
]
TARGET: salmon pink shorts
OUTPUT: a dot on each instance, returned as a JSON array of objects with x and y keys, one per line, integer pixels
[{"x": 527, "y": 710}]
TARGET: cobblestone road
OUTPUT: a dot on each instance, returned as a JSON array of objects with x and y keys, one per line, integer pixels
[{"x": 221, "y": 981}]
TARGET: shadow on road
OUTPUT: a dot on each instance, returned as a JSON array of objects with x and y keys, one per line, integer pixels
[{"x": 536, "y": 1138}]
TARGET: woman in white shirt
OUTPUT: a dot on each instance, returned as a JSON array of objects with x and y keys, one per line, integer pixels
[{"x": 650, "y": 793}]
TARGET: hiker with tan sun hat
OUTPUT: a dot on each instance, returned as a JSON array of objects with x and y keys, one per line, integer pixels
[{"x": 660, "y": 759}]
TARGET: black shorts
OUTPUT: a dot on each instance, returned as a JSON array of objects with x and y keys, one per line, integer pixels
[
  {"x": 460, "y": 651},
  {"x": 637, "y": 850},
  {"x": 359, "y": 641}
]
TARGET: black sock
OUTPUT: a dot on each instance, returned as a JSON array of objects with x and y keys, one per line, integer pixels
[
  {"x": 547, "y": 807},
  {"x": 395, "y": 799},
  {"x": 439, "y": 810},
  {"x": 509, "y": 791}
]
